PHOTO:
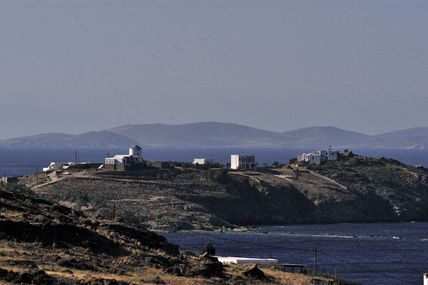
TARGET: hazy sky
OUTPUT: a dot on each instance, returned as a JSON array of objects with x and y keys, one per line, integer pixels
[{"x": 73, "y": 66}]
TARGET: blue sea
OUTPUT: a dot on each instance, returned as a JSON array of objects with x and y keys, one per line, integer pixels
[
  {"x": 372, "y": 254},
  {"x": 367, "y": 253}
]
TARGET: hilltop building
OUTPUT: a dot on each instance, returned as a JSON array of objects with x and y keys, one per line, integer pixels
[
  {"x": 203, "y": 161},
  {"x": 243, "y": 162},
  {"x": 125, "y": 161},
  {"x": 318, "y": 157}
]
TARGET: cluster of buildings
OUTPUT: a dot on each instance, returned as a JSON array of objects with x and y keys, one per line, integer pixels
[
  {"x": 118, "y": 162},
  {"x": 318, "y": 157},
  {"x": 133, "y": 159},
  {"x": 237, "y": 161}
]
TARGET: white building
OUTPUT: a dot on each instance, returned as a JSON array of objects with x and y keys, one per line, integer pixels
[
  {"x": 319, "y": 156},
  {"x": 68, "y": 165},
  {"x": 247, "y": 260},
  {"x": 52, "y": 167},
  {"x": 425, "y": 278},
  {"x": 125, "y": 161},
  {"x": 332, "y": 154},
  {"x": 243, "y": 162},
  {"x": 311, "y": 158},
  {"x": 203, "y": 161}
]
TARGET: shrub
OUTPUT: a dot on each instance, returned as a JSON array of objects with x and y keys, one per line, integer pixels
[{"x": 208, "y": 248}]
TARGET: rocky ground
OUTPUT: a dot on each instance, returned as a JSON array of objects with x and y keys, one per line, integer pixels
[
  {"x": 386, "y": 189},
  {"x": 44, "y": 243},
  {"x": 180, "y": 199},
  {"x": 354, "y": 189}
]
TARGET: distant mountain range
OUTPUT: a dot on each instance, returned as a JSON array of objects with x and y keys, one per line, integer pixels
[{"x": 212, "y": 134}]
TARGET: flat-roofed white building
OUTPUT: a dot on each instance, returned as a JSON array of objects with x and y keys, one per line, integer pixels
[
  {"x": 203, "y": 161},
  {"x": 247, "y": 260},
  {"x": 332, "y": 154},
  {"x": 243, "y": 162}
]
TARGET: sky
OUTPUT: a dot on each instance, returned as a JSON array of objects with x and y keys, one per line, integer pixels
[{"x": 75, "y": 66}]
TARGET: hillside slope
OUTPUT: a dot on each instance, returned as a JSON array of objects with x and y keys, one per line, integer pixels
[
  {"x": 388, "y": 189},
  {"x": 44, "y": 243},
  {"x": 356, "y": 189}
]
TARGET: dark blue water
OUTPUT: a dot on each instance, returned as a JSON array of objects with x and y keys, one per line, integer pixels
[
  {"x": 372, "y": 254},
  {"x": 25, "y": 161}
]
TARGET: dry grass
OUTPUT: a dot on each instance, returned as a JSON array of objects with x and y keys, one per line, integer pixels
[
  {"x": 276, "y": 276},
  {"x": 12, "y": 253},
  {"x": 289, "y": 278}
]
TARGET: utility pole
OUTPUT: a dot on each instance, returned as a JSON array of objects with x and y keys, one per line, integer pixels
[
  {"x": 114, "y": 211},
  {"x": 316, "y": 250}
]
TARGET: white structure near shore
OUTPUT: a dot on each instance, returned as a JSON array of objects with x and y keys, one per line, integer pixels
[
  {"x": 203, "y": 161},
  {"x": 318, "y": 157},
  {"x": 425, "y": 278},
  {"x": 243, "y": 162},
  {"x": 247, "y": 260},
  {"x": 125, "y": 161}
]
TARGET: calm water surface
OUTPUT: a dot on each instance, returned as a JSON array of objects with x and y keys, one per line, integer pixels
[{"x": 373, "y": 254}]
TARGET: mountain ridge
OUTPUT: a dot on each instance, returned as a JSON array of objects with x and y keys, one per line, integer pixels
[
  {"x": 414, "y": 137},
  {"x": 217, "y": 134}
]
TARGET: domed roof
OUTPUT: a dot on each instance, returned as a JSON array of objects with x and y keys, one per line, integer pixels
[{"x": 136, "y": 147}]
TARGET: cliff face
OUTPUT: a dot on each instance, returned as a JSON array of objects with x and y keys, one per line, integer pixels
[
  {"x": 351, "y": 190},
  {"x": 254, "y": 201},
  {"x": 384, "y": 189}
]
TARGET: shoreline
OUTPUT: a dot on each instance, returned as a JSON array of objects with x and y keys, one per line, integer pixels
[{"x": 259, "y": 229}]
